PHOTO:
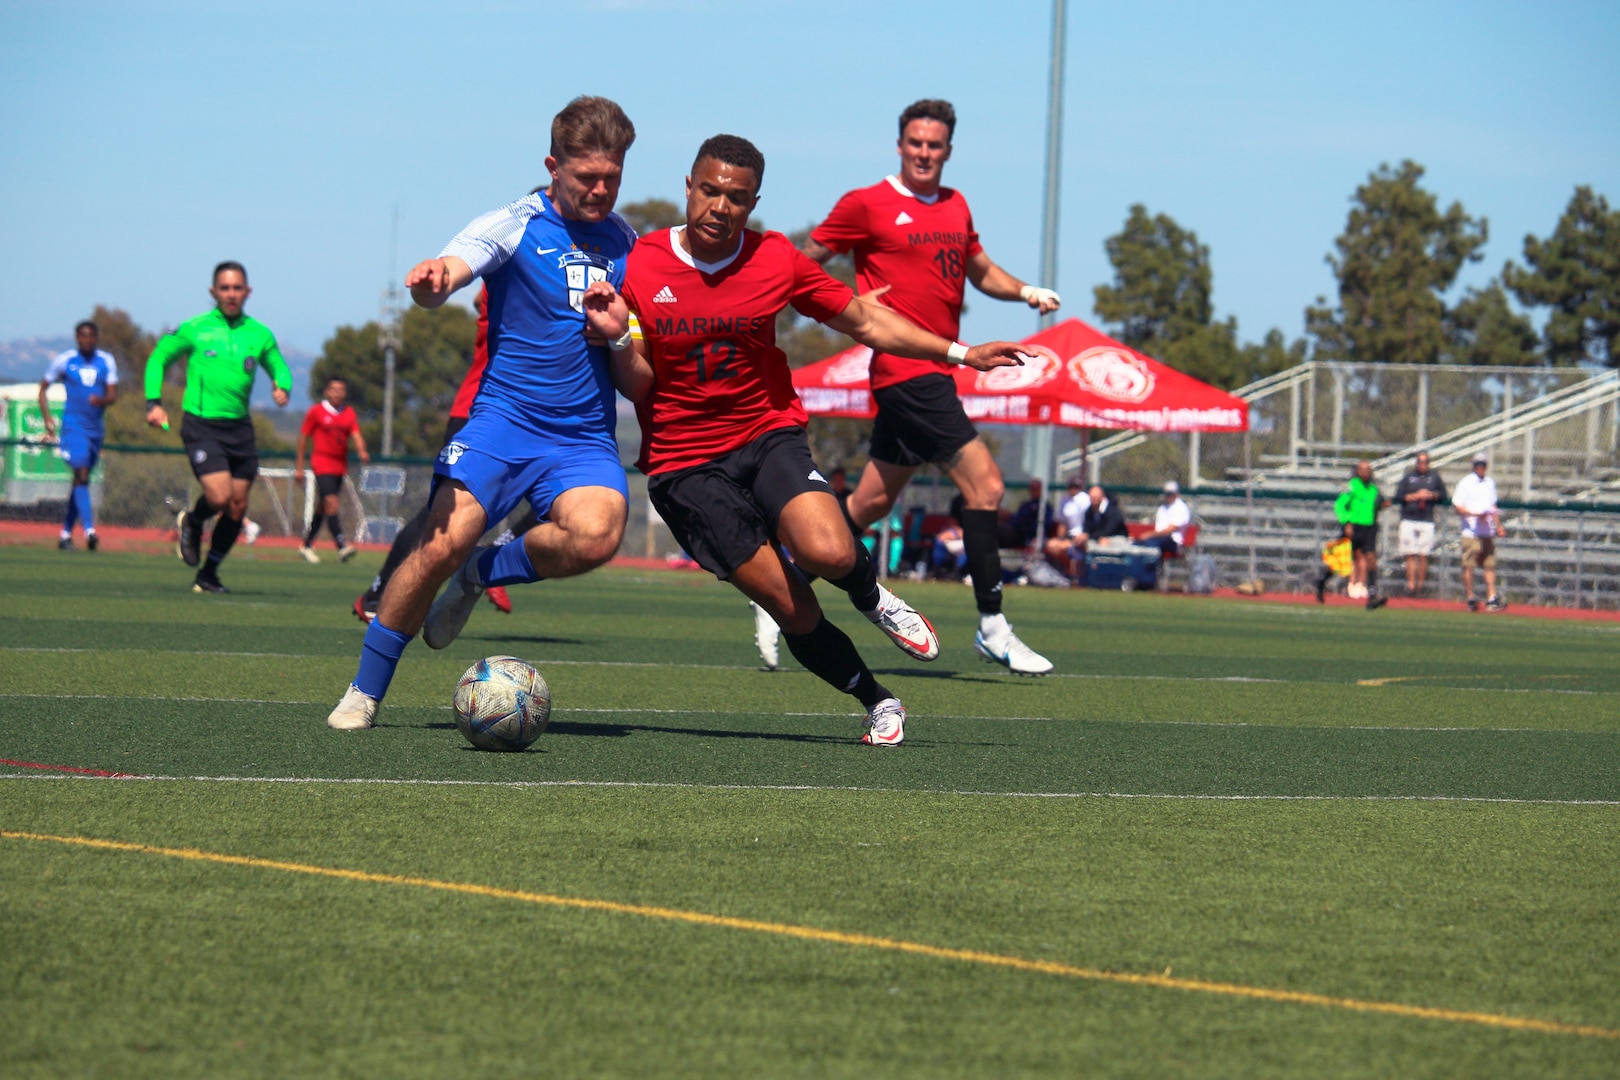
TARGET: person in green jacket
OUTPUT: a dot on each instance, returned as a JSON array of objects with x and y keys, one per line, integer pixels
[
  {"x": 1357, "y": 510},
  {"x": 223, "y": 350}
]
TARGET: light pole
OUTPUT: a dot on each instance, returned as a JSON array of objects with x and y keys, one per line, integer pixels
[
  {"x": 389, "y": 340},
  {"x": 1054, "y": 159}
]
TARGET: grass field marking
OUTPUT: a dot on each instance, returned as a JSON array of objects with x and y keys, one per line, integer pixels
[
  {"x": 75, "y": 769},
  {"x": 1430, "y": 678},
  {"x": 154, "y": 697},
  {"x": 406, "y": 782},
  {"x": 840, "y": 937}
]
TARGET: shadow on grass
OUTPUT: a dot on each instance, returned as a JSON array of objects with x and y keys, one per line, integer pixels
[{"x": 527, "y": 639}]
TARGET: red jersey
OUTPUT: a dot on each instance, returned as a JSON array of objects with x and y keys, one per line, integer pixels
[
  {"x": 710, "y": 334},
  {"x": 329, "y": 430},
  {"x": 920, "y": 248},
  {"x": 462, "y": 405}
]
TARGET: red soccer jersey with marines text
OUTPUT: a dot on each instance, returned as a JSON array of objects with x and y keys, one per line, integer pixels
[
  {"x": 920, "y": 248},
  {"x": 709, "y": 331}
]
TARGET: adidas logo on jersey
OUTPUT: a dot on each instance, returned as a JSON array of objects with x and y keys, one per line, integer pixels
[
  {"x": 903, "y": 219},
  {"x": 815, "y": 474},
  {"x": 664, "y": 296}
]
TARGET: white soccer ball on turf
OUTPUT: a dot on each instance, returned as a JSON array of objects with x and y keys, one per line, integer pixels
[{"x": 502, "y": 703}]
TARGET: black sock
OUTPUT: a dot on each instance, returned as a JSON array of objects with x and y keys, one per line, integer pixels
[
  {"x": 843, "y": 504},
  {"x": 225, "y": 532},
  {"x": 1372, "y": 581},
  {"x": 405, "y": 542},
  {"x": 201, "y": 513},
  {"x": 983, "y": 559},
  {"x": 334, "y": 525},
  {"x": 314, "y": 527},
  {"x": 827, "y": 653},
  {"x": 861, "y": 582}
]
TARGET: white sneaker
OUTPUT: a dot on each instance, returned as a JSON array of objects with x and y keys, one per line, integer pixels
[
  {"x": 355, "y": 712},
  {"x": 250, "y": 531},
  {"x": 309, "y": 554},
  {"x": 885, "y": 724},
  {"x": 1012, "y": 654},
  {"x": 347, "y": 552},
  {"x": 450, "y": 611},
  {"x": 765, "y": 635},
  {"x": 905, "y": 626}
]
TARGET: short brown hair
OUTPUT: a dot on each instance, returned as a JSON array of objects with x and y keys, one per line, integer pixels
[
  {"x": 930, "y": 109},
  {"x": 591, "y": 125}
]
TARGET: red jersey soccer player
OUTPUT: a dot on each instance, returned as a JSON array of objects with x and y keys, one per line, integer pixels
[
  {"x": 723, "y": 442},
  {"x": 332, "y": 425},
  {"x": 916, "y": 236}
]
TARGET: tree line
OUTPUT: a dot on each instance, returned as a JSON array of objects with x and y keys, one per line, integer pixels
[{"x": 1398, "y": 257}]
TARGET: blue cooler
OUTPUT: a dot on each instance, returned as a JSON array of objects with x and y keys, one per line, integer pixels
[{"x": 1123, "y": 568}]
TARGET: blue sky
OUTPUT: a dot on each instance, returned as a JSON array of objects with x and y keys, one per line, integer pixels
[{"x": 142, "y": 142}]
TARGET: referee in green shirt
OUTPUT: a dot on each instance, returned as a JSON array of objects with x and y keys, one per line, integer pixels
[
  {"x": 1357, "y": 510},
  {"x": 223, "y": 350}
]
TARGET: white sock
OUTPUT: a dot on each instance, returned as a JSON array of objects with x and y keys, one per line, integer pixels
[{"x": 994, "y": 626}]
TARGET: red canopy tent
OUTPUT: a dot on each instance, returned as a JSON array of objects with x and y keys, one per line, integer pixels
[{"x": 1074, "y": 376}]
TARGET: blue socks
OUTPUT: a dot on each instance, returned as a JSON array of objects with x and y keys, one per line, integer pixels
[
  {"x": 78, "y": 509},
  {"x": 505, "y": 565},
  {"x": 379, "y": 656}
]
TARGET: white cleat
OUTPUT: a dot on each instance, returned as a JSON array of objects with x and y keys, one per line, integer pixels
[
  {"x": 765, "y": 637},
  {"x": 347, "y": 552},
  {"x": 1005, "y": 649},
  {"x": 451, "y": 610},
  {"x": 905, "y": 626},
  {"x": 308, "y": 554},
  {"x": 355, "y": 712},
  {"x": 885, "y": 724}
]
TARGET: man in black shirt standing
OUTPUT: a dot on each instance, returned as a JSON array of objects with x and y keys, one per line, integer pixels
[{"x": 1417, "y": 495}]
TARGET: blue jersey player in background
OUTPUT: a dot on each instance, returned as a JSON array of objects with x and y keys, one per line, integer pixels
[
  {"x": 542, "y": 426},
  {"x": 90, "y": 378}
]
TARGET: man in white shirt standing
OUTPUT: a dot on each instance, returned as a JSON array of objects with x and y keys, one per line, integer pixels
[{"x": 1475, "y": 503}]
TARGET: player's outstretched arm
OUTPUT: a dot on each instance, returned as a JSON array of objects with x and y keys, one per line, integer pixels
[
  {"x": 888, "y": 331},
  {"x": 816, "y": 250},
  {"x": 992, "y": 280},
  {"x": 607, "y": 314},
  {"x": 45, "y": 410},
  {"x": 432, "y": 281}
]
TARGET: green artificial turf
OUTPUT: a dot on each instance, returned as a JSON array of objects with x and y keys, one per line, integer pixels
[{"x": 1205, "y": 787}]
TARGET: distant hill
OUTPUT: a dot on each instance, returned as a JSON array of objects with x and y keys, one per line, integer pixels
[{"x": 25, "y": 359}]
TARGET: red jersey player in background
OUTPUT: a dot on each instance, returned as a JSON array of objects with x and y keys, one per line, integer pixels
[
  {"x": 331, "y": 425},
  {"x": 916, "y": 236},
  {"x": 365, "y": 605},
  {"x": 723, "y": 442}
]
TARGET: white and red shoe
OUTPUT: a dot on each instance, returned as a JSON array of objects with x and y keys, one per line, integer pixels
[
  {"x": 497, "y": 596},
  {"x": 905, "y": 626},
  {"x": 885, "y": 724}
]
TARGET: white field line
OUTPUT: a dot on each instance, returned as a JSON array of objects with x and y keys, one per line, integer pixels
[
  {"x": 816, "y": 788},
  {"x": 1093, "y": 676},
  {"x": 563, "y": 714}
]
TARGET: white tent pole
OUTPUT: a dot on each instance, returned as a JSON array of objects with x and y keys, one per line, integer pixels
[{"x": 1248, "y": 499}]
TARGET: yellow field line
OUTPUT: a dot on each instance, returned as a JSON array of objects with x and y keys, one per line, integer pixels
[{"x": 839, "y": 937}]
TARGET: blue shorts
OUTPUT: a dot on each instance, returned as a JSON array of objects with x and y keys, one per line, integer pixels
[
  {"x": 79, "y": 449},
  {"x": 554, "y": 468}
]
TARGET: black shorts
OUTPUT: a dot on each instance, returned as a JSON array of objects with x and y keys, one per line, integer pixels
[
  {"x": 1364, "y": 538},
  {"x": 220, "y": 446},
  {"x": 920, "y": 422},
  {"x": 328, "y": 484},
  {"x": 723, "y": 511}
]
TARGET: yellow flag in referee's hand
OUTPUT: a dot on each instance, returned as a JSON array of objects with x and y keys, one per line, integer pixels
[{"x": 1336, "y": 557}]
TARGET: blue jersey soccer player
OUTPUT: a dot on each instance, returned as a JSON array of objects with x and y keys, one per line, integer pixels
[
  {"x": 90, "y": 378},
  {"x": 542, "y": 426}
]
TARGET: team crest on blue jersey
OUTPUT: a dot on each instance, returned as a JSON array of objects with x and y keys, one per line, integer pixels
[
  {"x": 582, "y": 269},
  {"x": 452, "y": 452}
]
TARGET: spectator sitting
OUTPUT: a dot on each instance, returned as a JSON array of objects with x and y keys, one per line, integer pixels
[
  {"x": 1169, "y": 521},
  {"x": 1105, "y": 521},
  {"x": 949, "y": 558},
  {"x": 1065, "y": 545},
  {"x": 1024, "y": 525}
]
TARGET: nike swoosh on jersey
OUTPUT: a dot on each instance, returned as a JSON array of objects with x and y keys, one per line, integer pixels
[{"x": 546, "y": 251}]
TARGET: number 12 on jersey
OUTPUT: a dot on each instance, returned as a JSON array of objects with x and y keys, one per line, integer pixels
[{"x": 714, "y": 360}]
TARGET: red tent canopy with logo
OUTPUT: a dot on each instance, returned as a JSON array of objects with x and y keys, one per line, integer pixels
[{"x": 1074, "y": 376}]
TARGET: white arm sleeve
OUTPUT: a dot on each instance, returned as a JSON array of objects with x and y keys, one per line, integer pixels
[
  {"x": 491, "y": 238},
  {"x": 112, "y": 368},
  {"x": 57, "y": 369}
]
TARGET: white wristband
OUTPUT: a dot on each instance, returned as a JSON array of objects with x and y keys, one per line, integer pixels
[
  {"x": 622, "y": 342},
  {"x": 1039, "y": 295},
  {"x": 957, "y": 353}
]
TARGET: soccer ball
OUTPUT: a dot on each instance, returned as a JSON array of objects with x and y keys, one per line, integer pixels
[{"x": 502, "y": 703}]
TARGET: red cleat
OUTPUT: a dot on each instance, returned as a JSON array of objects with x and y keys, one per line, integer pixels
[
  {"x": 497, "y": 596},
  {"x": 363, "y": 611}
]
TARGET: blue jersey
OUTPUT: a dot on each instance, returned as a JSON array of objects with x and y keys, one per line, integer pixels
[
  {"x": 542, "y": 378},
  {"x": 83, "y": 376}
]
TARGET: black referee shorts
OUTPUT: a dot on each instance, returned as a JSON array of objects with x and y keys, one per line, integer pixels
[
  {"x": 1364, "y": 538},
  {"x": 220, "y": 446},
  {"x": 723, "y": 511},
  {"x": 920, "y": 422}
]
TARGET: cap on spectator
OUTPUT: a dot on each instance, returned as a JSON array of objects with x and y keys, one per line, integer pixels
[
  {"x": 1172, "y": 488},
  {"x": 1481, "y": 459}
]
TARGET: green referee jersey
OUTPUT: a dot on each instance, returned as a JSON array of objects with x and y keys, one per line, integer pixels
[
  {"x": 1358, "y": 504},
  {"x": 223, "y": 356}
]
